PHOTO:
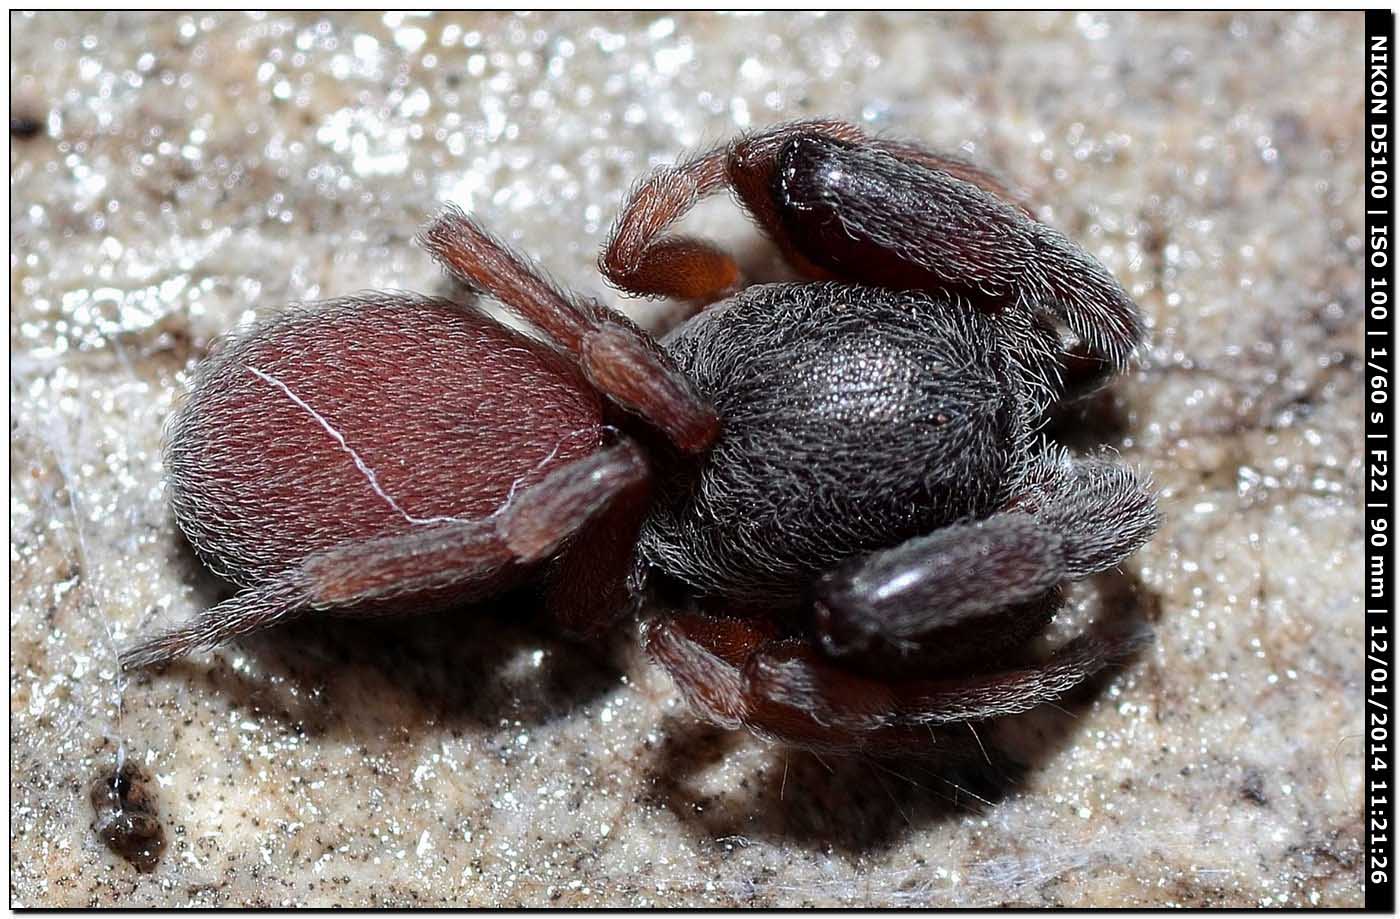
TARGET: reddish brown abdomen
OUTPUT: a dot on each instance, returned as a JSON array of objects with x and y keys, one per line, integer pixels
[{"x": 441, "y": 412}]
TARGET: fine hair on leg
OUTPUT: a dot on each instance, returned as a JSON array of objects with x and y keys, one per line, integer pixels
[
  {"x": 621, "y": 360},
  {"x": 367, "y": 577}
]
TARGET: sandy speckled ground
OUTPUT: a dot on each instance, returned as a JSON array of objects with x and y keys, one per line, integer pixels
[{"x": 179, "y": 175}]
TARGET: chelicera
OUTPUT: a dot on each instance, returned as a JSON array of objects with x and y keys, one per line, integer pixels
[{"x": 836, "y": 491}]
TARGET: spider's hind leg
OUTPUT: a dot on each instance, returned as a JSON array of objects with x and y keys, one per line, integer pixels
[
  {"x": 250, "y": 610},
  {"x": 458, "y": 559}
]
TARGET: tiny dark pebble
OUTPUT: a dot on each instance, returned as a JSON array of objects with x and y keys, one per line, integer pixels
[{"x": 126, "y": 817}]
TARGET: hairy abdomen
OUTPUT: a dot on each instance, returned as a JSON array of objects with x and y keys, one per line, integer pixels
[{"x": 362, "y": 418}]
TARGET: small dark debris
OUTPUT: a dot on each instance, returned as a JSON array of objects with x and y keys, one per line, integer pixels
[
  {"x": 25, "y": 127},
  {"x": 1252, "y": 788},
  {"x": 126, "y": 817}
]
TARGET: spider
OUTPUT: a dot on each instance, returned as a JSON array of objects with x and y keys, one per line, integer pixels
[{"x": 838, "y": 486}]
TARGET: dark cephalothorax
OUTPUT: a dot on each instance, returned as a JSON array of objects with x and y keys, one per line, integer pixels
[{"x": 853, "y": 418}]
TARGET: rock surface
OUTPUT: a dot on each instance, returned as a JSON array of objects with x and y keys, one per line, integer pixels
[{"x": 175, "y": 176}]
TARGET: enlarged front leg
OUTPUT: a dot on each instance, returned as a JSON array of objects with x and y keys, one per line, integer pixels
[
  {"x": 952, "y": 578},
  {"x": 1076, "y": 519},
  {"x": 982, "y": 587},
  {"x": 642, "y": 256},
  {"x": 839, "y": 203},
  {"x": 466, "y": 558},
  {"x": 621, "y": 360},
  {"x": 883, "y": 214}
]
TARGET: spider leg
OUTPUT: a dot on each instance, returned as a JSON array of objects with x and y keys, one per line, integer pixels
[
  {"x": 464, "y": 559},
  {"x": 841, "y": 204},
  {"x": 754, "y": 164},
  {"x": 250, "y": 610},
  {"x": 876, "y": 214},
  {"x": 621, "y": 360},
  {"x": 1103, "y": 511},
  {"x": 792, "y": 684},
  {"x": 957, "y": 167},
  {"x": 949, "y": 578},
  {"x": 589, "y": 587},
  {"x": 705, "y": 656},
  {"x": 643, "y": 259},
  {"x": 528, "y": 529},
  {"x": 733, "y": 673},
  {"x": 1077, "y": 519},
  {"x": 757, "y": 161}
]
